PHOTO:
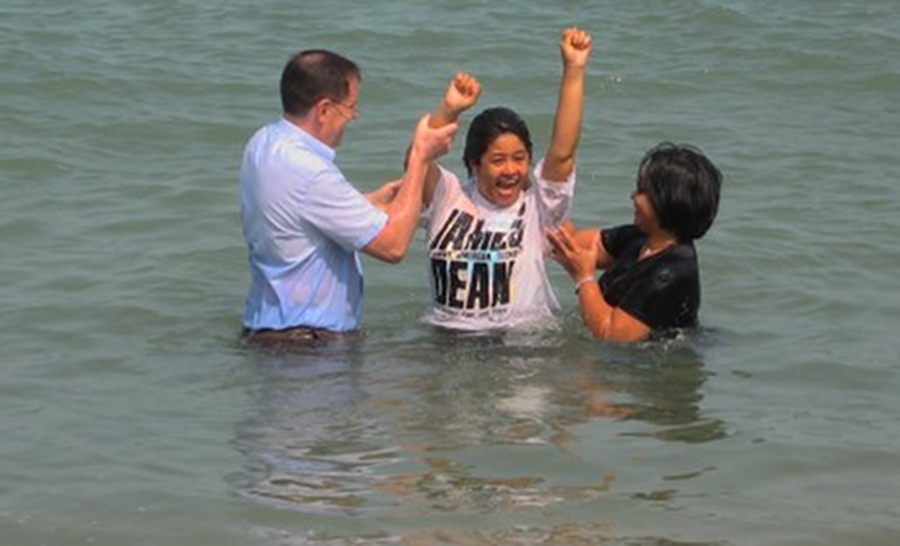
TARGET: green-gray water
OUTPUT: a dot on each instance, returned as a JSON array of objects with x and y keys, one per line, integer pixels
[{"x": 130, "y": 415}]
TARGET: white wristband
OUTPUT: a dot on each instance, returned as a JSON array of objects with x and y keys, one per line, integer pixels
[{"x": 581, "y": 282}]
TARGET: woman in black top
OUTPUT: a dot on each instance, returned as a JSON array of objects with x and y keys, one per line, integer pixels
[{"x": 651, "y": 282}]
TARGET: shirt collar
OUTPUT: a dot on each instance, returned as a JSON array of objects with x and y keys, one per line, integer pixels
[{"x": 307, "y": 139}]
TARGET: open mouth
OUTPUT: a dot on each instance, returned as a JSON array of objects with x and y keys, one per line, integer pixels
[{"x": 507, "y": 187}]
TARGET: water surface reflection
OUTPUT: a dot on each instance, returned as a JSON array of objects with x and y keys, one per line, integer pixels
[{"x": 525, "y": 429}]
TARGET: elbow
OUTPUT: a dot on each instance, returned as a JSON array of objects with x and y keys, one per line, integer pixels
[
  {"x": 617, "y": 329},
  {"x": 558, "y": 167},
  {"x": 598, "y": 331},
  {"x": 384, "y": 252},
  {"x": 395, "y": 253},
  {"x": 394, "y": 257},
  {"x": 618, "y": 337},
  {"x": 610, "y": 332},
  {"x": 564, "y": 159}
]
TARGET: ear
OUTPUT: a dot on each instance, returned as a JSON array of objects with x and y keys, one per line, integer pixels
[{"x": 320, "y": 109}]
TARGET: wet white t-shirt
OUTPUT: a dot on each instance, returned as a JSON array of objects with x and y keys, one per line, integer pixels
[{"x": 486, "y": 263}]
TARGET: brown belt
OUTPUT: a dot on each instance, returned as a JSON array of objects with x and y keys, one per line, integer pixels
[{"x": 298, "y": 335}]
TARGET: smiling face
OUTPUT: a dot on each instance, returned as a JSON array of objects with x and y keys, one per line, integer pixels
[
  {"x": 498, "y": 155},
  {"x": 502, "y": 171},
  {"x": 645, "y": 217}
]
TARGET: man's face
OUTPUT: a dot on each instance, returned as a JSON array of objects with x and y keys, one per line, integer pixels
[{"x": 340, "y": 113}]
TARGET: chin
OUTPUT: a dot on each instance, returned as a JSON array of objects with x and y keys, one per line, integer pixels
[{"x": 506, "y": 202}]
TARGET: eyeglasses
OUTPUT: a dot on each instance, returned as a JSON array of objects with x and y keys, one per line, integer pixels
[{"x": 352, "y": 108}]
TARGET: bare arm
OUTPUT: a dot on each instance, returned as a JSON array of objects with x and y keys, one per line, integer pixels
[
  {"x": 605, "y": 322},
  {"x": 559, "y": 162},
  {"x": 589, "y": 239},
  {"x": 392, "y": 242},
  {"x": 580, "y": 255},
  {"x": 461, "y": 94}
]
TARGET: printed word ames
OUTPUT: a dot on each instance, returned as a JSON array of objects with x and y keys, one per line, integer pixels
[{"x": 462, "y": 232}]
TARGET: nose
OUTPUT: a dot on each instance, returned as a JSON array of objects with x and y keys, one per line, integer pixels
[{"x": 508, "y": 168}]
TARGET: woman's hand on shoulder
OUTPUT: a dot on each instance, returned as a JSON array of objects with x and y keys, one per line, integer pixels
[
  {"x": 583, "y": 244},
  {"x": 574, "y": 250}
]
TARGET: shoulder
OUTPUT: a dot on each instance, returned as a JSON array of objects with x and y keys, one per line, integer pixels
[
  {"x": 625, "y": 232},
  {"x": 537, "y": 174},
  {"x": 447, "y": 177},
  {"x": 678, "y": 265},
  {"x": 682, "y": 256},
  {"x": 550, "y": 191},
  {"x": 448, "y": 186},
  {"x": 282, "y": 144}
]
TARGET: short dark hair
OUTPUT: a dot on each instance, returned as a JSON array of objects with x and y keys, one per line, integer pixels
[
  {"x": 683, "y": 186},
  {"x": 314, "y": 74},
  {"x": 487, "y": 127}
]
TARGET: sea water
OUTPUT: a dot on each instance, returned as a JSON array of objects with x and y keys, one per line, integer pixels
[{"x": 131, "y": 415}]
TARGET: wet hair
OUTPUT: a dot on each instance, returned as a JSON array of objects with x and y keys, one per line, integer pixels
[
  {"x": 683, "y": 187},
  {"x": 312, "y": 75},
  {"x": 487, "y": 127}
]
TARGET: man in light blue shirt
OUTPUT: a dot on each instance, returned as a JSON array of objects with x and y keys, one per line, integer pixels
[{"x": 304, "y": 223}]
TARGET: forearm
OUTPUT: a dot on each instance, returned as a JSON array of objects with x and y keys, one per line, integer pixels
[
  {"x": 440, "y": 117},
  {"x": 443, "y": 115},
  {"x": 560, "y": 159},
  {"x": 393, "y": 240},
  {"x": 595, "y": 312},
  {"x": 406, "y": 206},
  {"x": 605, "y": 321}
]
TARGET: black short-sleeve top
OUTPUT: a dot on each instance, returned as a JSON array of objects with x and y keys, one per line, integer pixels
[{"x": 662, "y": 291}]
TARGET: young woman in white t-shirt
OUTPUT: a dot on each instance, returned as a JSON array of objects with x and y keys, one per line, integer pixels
[{"x": 485, "y": 242}]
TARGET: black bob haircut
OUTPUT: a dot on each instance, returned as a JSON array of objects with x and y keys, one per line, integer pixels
[
  {"x": 486, "y": 127},
  {"x": 683, "y": 186}
]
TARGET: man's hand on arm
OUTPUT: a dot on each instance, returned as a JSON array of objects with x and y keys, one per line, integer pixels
[{"x": 428, "y": 144}]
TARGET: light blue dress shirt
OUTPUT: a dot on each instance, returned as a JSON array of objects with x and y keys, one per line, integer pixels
[{"x": 304, "y": 224}]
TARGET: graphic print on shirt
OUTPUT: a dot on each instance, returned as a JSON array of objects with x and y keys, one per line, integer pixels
[{"x": 472, "y": 261}]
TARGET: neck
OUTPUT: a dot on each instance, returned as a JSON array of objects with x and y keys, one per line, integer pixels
[
  {"x": 309, "y": 124},
  {"x": 299, "y": 121},
  {"x": 657, "y": 242}
]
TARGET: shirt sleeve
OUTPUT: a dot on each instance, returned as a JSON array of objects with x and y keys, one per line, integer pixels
[
  {"x": 341, "y": 212},
  {"x": 619, "y": 239},
  {"x": 445, "y": 178},
  {"x": 554, "y": 198}
]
